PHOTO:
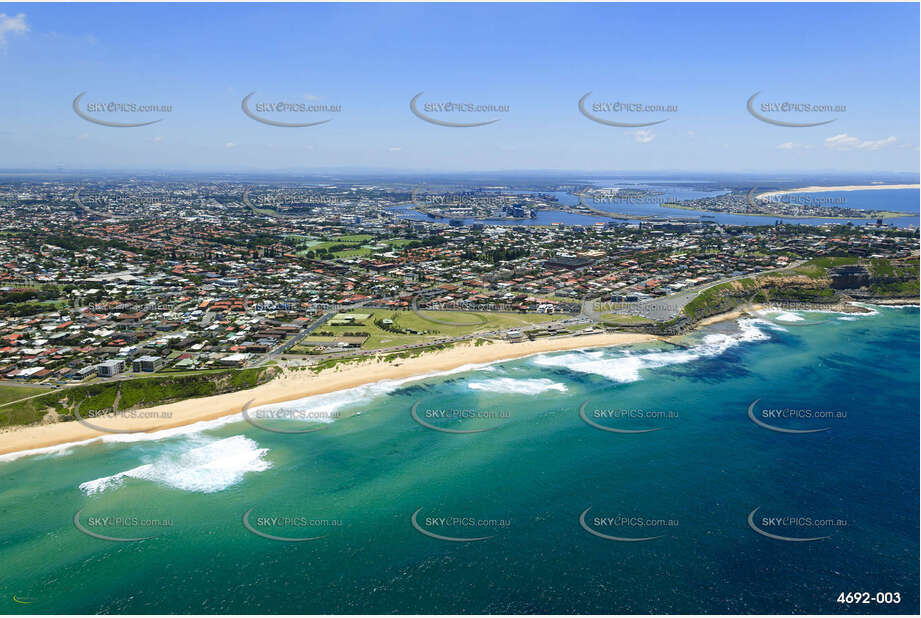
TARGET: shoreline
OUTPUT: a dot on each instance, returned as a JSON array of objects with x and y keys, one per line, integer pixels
[
  {"x": 881, "y": 215},
  {"x": 294, "y": 385},
  {"x": 771, "y": 194},
  {"x": 23, "y": 441}
]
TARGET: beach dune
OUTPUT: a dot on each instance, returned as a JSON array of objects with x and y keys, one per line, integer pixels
[
  {"x": 771, "y": 194},
  {"x": 293, "y": 385}
]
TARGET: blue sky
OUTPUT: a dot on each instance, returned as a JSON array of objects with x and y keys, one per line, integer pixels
[{"x": 538, "y": 59}]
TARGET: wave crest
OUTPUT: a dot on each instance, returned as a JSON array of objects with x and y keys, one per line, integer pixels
[
  {"x": 206, "y": 469},
  {"x": 627, "y": 367},
  {"x": 531, "y": 386}
]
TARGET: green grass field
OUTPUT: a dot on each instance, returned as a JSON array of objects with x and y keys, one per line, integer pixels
[
  {"x": 359, "y": 245},
  {"x": 407, "y": 320},
  {"x": 350, "y": 253},
  {"x": 397, "y": 242},
  {"x": 353, "y": 238},
  {"x": 624, "y": 320},
  {"x": 818, "y": 267},
  {"x": 720, "y": 298},
  {"x": 10, "y": 393}
]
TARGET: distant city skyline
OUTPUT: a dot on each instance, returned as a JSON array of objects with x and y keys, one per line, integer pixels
[{"x": 701, "y": 65}]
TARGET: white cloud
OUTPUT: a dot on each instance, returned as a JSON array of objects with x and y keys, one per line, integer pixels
[
  {"x": 394, "y": 149},
  {"x": 11, "y": 25},
  {"x": 157, "y": 139},
  {"x": 794, "y": 146},
  {"x": 229, "y": 145},
  {"x": 843, "y": 141},
  {"x": 642, "y": 136}
]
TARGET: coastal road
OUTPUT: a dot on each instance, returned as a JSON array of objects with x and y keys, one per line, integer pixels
[
  {"x": 499, "y": 333},
  {"x": 664, "y": 308},
  {"x": 290, "y": 343}
]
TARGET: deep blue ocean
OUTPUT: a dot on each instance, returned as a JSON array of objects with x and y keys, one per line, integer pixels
[{"x": 558, "y": 500}]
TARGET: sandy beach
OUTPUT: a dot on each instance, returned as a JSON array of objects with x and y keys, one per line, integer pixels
[
  {"x": 729, "y": 315},
  {"x": 843, "y": 188},
  {"x": 298, "y": 384}
]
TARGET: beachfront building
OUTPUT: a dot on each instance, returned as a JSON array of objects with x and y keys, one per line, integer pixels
[
  {"x": 110, "y": 368},
  {"x": 147, "y": 363},
  {"x": 236, "y": 360}
]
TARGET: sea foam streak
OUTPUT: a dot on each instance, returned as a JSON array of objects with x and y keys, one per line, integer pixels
[
  {"x": 322, "y": 408},
  {"x": 328, "y": 403},
  {"x": 523, "y": 387},
  {"x": 205, "y": 469},
  {"x": 786, "y": 316},
  {"x": 626, "y": 368}
]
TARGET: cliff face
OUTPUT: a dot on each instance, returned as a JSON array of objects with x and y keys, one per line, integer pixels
[
  {"x": 823, "y": 283},
  {"x": 878, "y": 278},
  {"x": 849, "y": 277}
]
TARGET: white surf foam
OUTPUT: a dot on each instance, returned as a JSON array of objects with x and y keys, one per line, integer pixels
[
  {"x": 205, "y": 469},
  {"x": 172, "y": 432},
  {"x": 770, "y": 311},
  {"x": 323, "y": 408},
  {"x": 871, "y": 310},
  {"x": 522, "y": 386},
  {"x": 329, "y": 402},
  {"x": 787, "y": 316},
  {"x": 57, "y": 449},
  {"x": 626, "y": 367}
]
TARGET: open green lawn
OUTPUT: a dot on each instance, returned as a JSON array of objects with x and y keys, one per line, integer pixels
[
  {"x": 353, "y": 238},
  {"x": 358, "y": 245},
  {"x": 478, "y": 321},
  {"x": 10, "y": 393},
  {"x": 380, "y": 338},
  {"x": 624, "y": 320},
  {"x": 720, "y": 298},
  {"x": 396, "y": 242},
  {"x": 349, "y": 253},
  {"x": 818, "y": 267}
]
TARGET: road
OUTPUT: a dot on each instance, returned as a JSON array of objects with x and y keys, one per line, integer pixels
[
  {"x": 667, "y": 307},
  {"x": 499, "y": 333},
  {"x": 290, "y": 343},
  {"x": 102, "y": 215},
  {"x": 656, "y": 309}
]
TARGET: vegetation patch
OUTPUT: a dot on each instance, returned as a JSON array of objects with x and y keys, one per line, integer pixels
[{"x": 124, "y": 395}]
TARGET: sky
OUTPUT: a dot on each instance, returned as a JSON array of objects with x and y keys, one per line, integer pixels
[{"x": 701, "y": 62}]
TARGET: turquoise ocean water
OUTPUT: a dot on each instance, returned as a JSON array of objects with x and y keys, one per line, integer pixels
[{"x": 382, "y": 491}]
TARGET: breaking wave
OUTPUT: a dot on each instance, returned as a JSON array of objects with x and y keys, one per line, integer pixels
[
  {"x": 627, "y": 366},
  {"x": 205, "y": 469},
  {"x": 518, "y": 386},
  {"x": 786, "y": 316}
]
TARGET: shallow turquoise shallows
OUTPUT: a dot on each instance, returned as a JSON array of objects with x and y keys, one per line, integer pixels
[{"x": 690, "y": 482}]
